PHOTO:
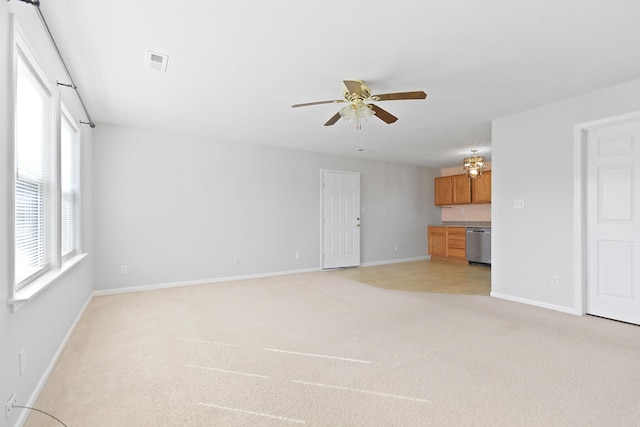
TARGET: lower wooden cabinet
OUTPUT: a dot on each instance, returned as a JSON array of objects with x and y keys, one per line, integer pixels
[
  {"x": 457, "y": 242},
  {"x": 448, "y": 243},
  {"x": 437, "y": 241}
]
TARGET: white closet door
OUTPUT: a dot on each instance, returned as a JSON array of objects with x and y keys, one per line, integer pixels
[{"x": 613, "y": 223}]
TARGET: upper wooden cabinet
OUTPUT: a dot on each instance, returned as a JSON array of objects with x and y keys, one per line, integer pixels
[
  {"x": 481, "y": 188},
  {"x": 444, "y": 190},
  {"x": 461, "y": 190},
  {"x": 453, "y": 190}
]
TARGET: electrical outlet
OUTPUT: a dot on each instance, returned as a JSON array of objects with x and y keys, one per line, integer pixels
[
  {"x": 123, "y": 269},
  {"x": 9, "y": 406},
  {"x": 396, "y": 248},
  {"x": 297, "y": 255},
  {"x": 518, "y": 204},
  {"x": 554, "y": 281},
  {"x": 236, "y": 260}
]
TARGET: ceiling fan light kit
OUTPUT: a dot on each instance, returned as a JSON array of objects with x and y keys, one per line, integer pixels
[
  {"x": 356, "y": 94},
  {"x": 474, "y": 165},
  {"x": 356, "y": 111}
]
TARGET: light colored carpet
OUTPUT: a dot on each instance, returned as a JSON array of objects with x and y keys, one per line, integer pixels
[{"x": 323, "y": 350}]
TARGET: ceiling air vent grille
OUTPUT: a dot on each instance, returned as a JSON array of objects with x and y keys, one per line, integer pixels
[{"x": 157, "y": 61}]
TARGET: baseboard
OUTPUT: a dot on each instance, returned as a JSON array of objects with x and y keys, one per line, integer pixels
[
  {"x": 22, "y": 418},
  {"x": 394, "y": 261},
  {"x": 563, "y": 309},
  {"x": 234, "y": 278},
  {"x": 449, "y": 259},
  {"x": 199, "y": 282}
]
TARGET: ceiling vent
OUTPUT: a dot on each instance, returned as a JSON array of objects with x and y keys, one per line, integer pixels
[{"x": 157, "y": 61}]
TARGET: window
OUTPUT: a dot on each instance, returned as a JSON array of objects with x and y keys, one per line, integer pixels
[
  {"x": 68, "y": 185},
  {"x": 46, "y": 199},
  {"x": 33, "y": 137}
]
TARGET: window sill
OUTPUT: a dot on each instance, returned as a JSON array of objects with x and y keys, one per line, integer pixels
[{"x": 35, "y": 288}]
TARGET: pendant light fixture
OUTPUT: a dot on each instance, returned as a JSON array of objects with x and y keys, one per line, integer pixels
[{"x": 474, "y": 165}]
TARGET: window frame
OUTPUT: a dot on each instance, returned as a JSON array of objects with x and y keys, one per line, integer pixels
[
  {"x": 22, "y": 54},
  {"x": 57, "y": 265},
  {"x": 66, "y": 116}
]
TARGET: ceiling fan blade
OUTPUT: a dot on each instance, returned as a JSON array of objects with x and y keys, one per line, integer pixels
[
  {"x": 335, "y": 101},
  {"x": 400, "y": 95},
  {"x": 353, "y": 86},
  {"x": 383, "y": 115},
  {"x": 333, "y": 119}
]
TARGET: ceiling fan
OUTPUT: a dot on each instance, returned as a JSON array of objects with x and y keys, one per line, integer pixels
[{"x": 356, "y": 94}]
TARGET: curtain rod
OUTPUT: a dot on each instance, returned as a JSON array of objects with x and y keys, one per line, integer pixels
[{"x": 72, "y": 85}]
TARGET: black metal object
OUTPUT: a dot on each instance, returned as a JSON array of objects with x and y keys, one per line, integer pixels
[
  {"x": 71, "y": 85},
  {"x": 65, "y": 85}
]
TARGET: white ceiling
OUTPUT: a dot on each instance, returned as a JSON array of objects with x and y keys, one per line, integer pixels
[{"x": 236, "y": 67}]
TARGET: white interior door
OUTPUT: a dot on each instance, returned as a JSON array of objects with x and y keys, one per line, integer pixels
[
  {"x": 340, "y": 219},
  {"x": 613, "y": 226}
]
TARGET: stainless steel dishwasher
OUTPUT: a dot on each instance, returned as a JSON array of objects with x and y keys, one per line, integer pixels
[{"x": 479, "y": 245}]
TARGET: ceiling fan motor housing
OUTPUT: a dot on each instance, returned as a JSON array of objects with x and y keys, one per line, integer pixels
[{"x": 364, "y": 93}]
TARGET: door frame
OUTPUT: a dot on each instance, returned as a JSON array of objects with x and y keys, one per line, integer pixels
[
  {"x": 579, "y": 203},
  {"x": 321, "y": 216}
]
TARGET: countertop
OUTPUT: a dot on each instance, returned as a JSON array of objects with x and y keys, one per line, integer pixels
[{"x": 463, "y": 224}]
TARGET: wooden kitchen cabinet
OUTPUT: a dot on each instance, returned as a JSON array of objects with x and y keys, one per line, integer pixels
[
  {"x": 462, "y": 190},
  {"x": 448, "y": 243},
  {"x": 457, "y": 243},
  {"x": 452, "y": 190},
  {"x": 444, "y": 190},
  {"x": 437, "y": 241},
  {"x": 481, "y": 188}
]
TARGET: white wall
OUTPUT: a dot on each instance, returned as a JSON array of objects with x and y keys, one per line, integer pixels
[
  {"x": 40, "y": 326},
  {"x": 532, "y": 244},
  {"x": 174, "y": 208}
]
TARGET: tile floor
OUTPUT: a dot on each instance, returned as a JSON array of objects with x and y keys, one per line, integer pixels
[{"x": 424, "y": 276}]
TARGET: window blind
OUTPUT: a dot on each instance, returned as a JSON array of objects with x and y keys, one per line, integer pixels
[
  {"x": 32, "y": 133},
  {"x": 68, "y": 187}
]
